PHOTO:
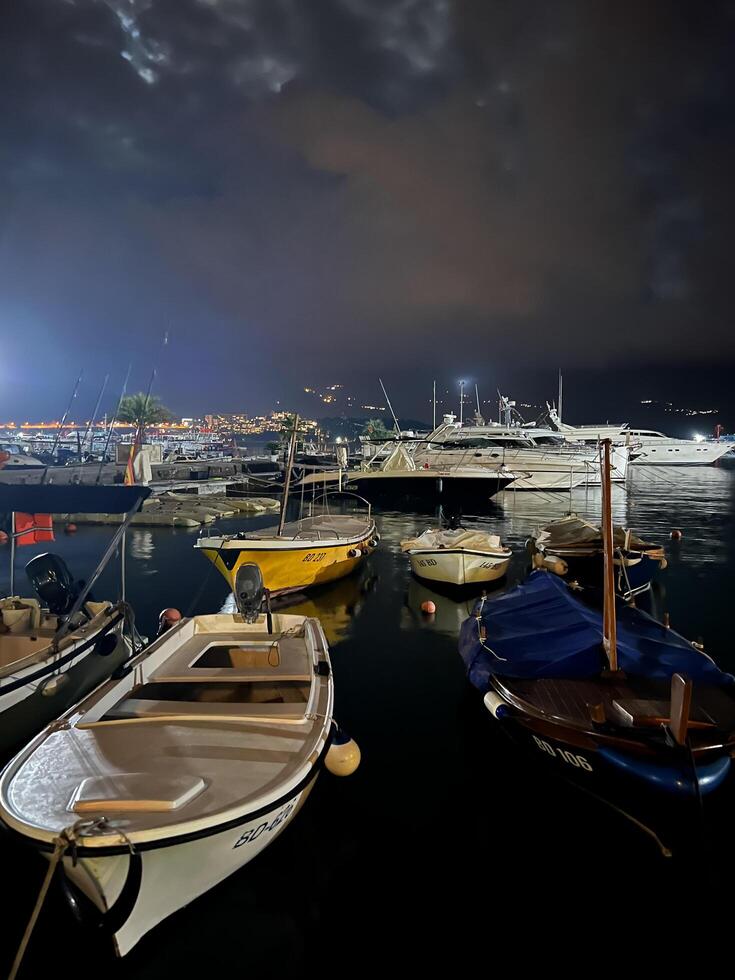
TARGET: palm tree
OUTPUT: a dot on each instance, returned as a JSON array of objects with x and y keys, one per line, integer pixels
[
  {"x": 375, "y": 429},
  {"x": 141, "y": 411}
]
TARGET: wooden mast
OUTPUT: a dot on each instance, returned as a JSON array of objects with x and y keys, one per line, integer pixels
[
  {"x": 609, "y": 629},
  {"x": 287, "y": 477}
]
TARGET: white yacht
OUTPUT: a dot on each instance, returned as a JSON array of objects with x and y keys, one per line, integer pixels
[
  {"x": 651, "y": 448},
  {"x": 542, "y": 458}
]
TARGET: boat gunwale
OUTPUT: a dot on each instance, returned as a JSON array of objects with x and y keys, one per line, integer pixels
[{"x": 316, "y": 743}]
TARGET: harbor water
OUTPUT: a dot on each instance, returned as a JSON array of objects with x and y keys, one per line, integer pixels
[{"x": 447, "y": 837}]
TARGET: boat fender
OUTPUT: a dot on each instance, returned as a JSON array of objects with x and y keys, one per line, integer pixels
[
  {"x": 353, "y": 553},
  {"x": 537, "y": 560},
  {"x": 343, "y": 755},
  {"x": 70, "y": 529},
  {"x": 428, "y": 607},
  {"x": 556, "y": 565},
  {"x": 495, "y": 705},
  {"x": 3, "y": 537},
  {"x": 676, "y": 535},
  {"x": 106, "y": 645},
  {"x": 373, "y": 542},
  {"x": 168, "y": 618},
  {"x": 663, "y": 564},
  {"x": 53, "y": 685}
]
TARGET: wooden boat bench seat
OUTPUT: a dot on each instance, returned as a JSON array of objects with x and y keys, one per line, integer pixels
[
  {"x": 131, "y": 709},
  {"x": 647, "y": 713}
]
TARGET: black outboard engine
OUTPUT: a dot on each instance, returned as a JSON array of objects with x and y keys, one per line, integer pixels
[
  {"x": 250, "y": 592},
  {"x": 53, "y": 583}
]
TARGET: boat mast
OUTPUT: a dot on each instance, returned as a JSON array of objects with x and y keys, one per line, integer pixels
[
  {"x": 434, "y": 406},
  {"x": 395, "y": 420},
  {"x": 287, "y": 477},
  {"x": 63, "y": 423},
  {"x": 561, "y": 389},
  {"x": 609, "y": 628},
  {"x": 461, "y": 402},
  {"x": 113, "y": 420}
]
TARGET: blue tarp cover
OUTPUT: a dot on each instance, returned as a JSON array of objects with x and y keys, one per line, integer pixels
[
  {"x": 49, "y": 498},
  {"x": 540, "y": 629}
]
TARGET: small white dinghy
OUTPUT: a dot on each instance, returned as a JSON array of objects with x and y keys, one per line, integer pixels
[
  {"x": 457, "y": 556},
  {"x": 177, "y": 773}
]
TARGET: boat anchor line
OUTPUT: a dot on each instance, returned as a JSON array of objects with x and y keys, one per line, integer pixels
[{"x": 65, "y": 840}]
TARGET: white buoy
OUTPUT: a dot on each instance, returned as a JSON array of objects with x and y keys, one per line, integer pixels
[
  {"x": 343, "y": 755},
  {"x": 495, "y": 705}
]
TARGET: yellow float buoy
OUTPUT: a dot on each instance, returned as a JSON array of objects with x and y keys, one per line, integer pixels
[{"x": 343, "y": 755}]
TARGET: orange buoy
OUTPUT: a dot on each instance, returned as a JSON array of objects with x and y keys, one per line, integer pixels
[
  {"x": 428, "y": 607},
  {"x": 676, "y": 535},
  {"x": 70, "y": 529},
  {"x": 168, "y": 618},
  {"x": 3, "y": 537}
]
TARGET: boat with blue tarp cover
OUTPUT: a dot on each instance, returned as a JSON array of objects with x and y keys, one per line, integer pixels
[{"x": 629, "y": 709}]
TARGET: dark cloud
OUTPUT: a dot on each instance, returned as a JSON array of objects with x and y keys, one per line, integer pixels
[{"x": 307, "y": 190}]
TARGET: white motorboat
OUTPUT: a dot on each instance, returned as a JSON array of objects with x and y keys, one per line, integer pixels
[
  {"x": 178, "y": 772},
  {"x": 15, "y": 458},
  {"x": 457, "y": 556},
  {"x": 543, "y": 459},
  {"x": 58, "y": 644},
  {"x": 400, "y": 478}
]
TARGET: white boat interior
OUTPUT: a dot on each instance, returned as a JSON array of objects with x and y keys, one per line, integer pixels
[{"x": 216, "y": 718}]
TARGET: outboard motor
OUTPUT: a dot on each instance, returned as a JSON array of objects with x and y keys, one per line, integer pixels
[
  {"x": 250, "y": 592},
  {"x": 53, "y": 583}
]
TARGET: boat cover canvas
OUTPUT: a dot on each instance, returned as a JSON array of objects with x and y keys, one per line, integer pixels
[
  {"x": 433, "y": 539},
  {"x": 540, "y": 629},
  {"x": 573, "y": 530},
  {"x": 37, "y": 498}
]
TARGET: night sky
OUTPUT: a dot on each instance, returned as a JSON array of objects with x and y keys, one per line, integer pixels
[{"x": 304, "y": 192}]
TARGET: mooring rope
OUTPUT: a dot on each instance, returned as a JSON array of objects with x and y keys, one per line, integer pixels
[{"x": 66, "y": 839}]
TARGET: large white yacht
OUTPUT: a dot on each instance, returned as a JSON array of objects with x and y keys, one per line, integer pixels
[
  {"x": 651, "y": 448},
  {"x": 542, "y": 458}
]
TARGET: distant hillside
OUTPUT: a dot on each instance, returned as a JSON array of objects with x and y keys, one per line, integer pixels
[{"x": 351, "y": 428}]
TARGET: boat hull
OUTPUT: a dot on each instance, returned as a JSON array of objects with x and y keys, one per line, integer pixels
[
  {"x": 290, "y": 568},
  {"x": 659, "y": 797},
  {"x": 458, "y": 567},
  {"x": 633, "y": 573},
  {"x": 130, "y": 893},
  {"x": 31, "y": 699},
  {"x": 421, "y": 485}
]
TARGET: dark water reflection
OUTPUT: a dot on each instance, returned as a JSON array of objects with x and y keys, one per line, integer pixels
[{"x": 445, "y": 836}]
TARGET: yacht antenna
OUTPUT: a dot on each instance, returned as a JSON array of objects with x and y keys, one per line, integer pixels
[
  {"x": 395, "y": 420},
  {"x": 287, "y": 477}
]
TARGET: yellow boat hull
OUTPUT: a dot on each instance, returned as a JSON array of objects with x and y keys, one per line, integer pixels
[{"x": 286, "y": 569}]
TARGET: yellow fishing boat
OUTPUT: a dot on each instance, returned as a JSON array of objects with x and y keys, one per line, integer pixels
[
  {"x": 311, "y": 551},
  {"x": 298, "y": 554}
]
